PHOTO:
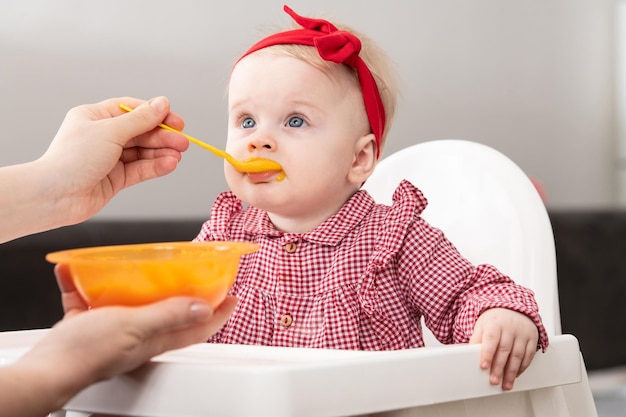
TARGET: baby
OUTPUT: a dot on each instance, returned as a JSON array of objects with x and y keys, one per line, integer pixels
[{"x": 335, "y": 269}]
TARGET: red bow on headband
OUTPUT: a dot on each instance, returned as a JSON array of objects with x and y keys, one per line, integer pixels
[{"x": 336, "y": 46}]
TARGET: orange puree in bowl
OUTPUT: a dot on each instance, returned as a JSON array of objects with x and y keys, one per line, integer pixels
[{"x": 141, "y": 274}]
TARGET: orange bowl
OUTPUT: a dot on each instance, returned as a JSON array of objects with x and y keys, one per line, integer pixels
[{"x": 144, "y": 273}]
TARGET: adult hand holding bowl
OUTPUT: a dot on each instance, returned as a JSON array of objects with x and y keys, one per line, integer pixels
[{"x": 148, "y": 272}]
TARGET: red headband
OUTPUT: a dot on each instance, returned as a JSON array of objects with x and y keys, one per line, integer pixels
[{"x": 336, "y": 46}]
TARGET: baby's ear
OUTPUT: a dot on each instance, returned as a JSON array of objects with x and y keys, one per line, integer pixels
[{"x": 364, "y": 159}]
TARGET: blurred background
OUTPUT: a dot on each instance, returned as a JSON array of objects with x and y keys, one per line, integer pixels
[{"x": 537, "y": 80}]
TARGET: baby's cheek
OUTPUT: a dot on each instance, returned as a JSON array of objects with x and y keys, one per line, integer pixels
[{"x": 232, "y": 176}]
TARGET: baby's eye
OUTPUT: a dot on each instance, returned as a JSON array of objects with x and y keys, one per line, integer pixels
[
  {"x": 248, "y": 123},
  {"x": 296, "y": 121}
]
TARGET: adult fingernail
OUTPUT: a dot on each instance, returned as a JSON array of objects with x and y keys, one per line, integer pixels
[
  {"x": 201, "y": 311},
  {"x": 159, "y": 104}
]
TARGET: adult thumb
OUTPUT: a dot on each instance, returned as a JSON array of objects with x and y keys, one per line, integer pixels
[{"x": 142, "y": 119}]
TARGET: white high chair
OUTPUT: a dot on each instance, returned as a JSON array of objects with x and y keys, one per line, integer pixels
[{"x": 490, "y": 210}]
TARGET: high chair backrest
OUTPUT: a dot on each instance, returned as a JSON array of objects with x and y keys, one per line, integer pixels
[{"x": 487, "y": 207}]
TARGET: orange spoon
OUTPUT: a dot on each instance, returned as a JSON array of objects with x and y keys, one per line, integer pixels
[{"x": 251, "y": 165}]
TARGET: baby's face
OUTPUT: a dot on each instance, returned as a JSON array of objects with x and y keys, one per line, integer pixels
[{"x": 285, "y": 109}]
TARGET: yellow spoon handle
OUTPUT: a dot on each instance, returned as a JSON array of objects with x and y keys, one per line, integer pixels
[{"x": 198, "y": 142}]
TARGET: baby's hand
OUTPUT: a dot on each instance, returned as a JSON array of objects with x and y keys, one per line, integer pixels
[{"x": 509, "y": 342}]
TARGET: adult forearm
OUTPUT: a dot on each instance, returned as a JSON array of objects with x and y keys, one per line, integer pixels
[
  {"x": 29, "y": 392},
  {"x": 27, "y": 201}
]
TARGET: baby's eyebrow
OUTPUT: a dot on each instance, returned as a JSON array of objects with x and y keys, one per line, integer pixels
[
  {"x": 303, "y": 102},
  {"x": 296, "y": 103},
  {"x": 237, "y": 104}
]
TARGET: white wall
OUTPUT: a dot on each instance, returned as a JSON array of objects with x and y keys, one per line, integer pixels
[{"x": 532, "y": 78}]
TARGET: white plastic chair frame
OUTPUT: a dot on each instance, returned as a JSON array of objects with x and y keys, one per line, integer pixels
[{"x": 492, "y": 212}]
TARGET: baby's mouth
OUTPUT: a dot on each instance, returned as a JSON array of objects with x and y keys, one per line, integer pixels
[
  {"x": 266, "y": 176},
  {"x": 260, "y": 170},
  {"x": 260, "y": 165}
]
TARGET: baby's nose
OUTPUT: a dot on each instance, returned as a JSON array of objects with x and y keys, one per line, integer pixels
[{"x": 260, "y": 144}]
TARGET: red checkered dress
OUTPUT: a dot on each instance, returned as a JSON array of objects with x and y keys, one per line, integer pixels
[{"x": 360, "y": 280}]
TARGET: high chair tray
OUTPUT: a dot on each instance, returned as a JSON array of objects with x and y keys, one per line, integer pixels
[{"x": 237, "y": 380}]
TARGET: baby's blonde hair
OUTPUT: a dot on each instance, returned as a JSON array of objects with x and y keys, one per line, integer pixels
[{"x": 378, "y": 62}]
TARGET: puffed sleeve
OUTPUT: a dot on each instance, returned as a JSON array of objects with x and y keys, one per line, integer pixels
[{"x": 224, "y": 208}]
